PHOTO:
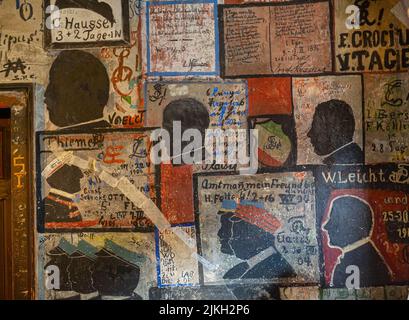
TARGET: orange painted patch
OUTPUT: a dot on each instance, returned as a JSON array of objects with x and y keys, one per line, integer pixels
[
  {"x": 69, "y": 225},
  {"x": 6, "y": 101},
  {"x": 269, "y": 96},
  {"x": 267, "y": 160}
]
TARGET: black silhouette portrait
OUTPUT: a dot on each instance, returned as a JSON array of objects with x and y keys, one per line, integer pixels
[
  {"x": 78, "y": 91},
  {"x": 332, "y": 133},
  {"x": 60, "y": 257},
  {"x": 252, "y": 244},
  {"x": 100, "y": 7},
  {"x": 192, "y": 115},
  {"x": 116, "y": 271},
  {"x": 59, "y": 205},
  {"x": 87, "y": 273},
  {"x": 81, "y": 268},
  {"x": 350, "y": 228}
]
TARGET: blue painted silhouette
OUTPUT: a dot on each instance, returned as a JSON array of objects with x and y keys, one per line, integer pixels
[{"x": 247, "y": 241}]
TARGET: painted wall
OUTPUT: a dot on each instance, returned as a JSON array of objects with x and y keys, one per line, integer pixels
[{"x": 327, "y": 210}]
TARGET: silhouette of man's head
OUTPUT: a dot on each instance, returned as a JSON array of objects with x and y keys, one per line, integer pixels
[
  {"x": 192, "y": 115},
  {"x": 101, "y": 8},
  {"x": 78, "y": 88},
  {"x": 350, "y": 220},
  {"x": 80, "y": 273},
  {"x": 61, "y": 261},
  {"x": 67, "y": 178},
  {"x": 60, "y": 257},
  {"x": 81, "y": 268},
  {"x": 112, "y": 277},
  {"x": 117, "y": 270},
  {"x": 241, "y": 238},
  {"x": 332, "y": 127}
]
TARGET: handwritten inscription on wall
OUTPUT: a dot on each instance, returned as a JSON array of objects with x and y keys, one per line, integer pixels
[
  {"x": 277, "y": 39},
  {"x": 386, "y": 118},
  {"x": 176, "y": 31},
  {"x": 381, "y": 41},
  {"x": 177, "y": 265},
  {"x": 86, "y": 24}
]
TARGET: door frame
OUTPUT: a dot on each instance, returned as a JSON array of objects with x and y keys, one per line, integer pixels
[{"x": 20, "y": 257}]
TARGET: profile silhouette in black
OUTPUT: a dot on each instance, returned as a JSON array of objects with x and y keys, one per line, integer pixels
[
  {"x": 350, "y": 228},
  {"x": 246, "y": 241},
  {"x": 332, "y": 133},
  {"x": 192, "y": 114},
  {"x": 60, "y": 257},
  {"x": 59, "y": 204},
  {"x": 78, "y": 91},
  {"x": 81, "y": 268},
  {"x": 102, "y": 8},
  {"x": 116, "y": 272}
]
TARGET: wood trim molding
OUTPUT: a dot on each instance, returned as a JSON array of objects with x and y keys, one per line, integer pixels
[{"x": 20, "y": 260}]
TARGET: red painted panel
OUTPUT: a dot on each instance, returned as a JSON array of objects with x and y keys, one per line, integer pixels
[
  {"x": 269, "y": 96},
  {"x": 177, "y": 193}
]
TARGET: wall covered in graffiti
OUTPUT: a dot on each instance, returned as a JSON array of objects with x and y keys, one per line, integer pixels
[{"x": 216, "y": 149}]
